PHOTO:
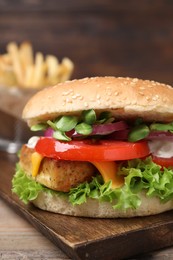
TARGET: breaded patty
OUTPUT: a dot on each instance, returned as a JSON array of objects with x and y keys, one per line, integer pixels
[{"x": 57, "y": 174}]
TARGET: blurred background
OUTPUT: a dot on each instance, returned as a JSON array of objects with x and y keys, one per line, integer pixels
[{"x": 102, "y": 37}]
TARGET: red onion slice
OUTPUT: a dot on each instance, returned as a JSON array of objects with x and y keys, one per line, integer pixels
[
  {"x": 101, "y": 129},
  {"x": 105, "y": 129},
  {"x": 49, "y": 132},
  {"x": 160, "y": 135},
  {"x": 119, "y": 135}
]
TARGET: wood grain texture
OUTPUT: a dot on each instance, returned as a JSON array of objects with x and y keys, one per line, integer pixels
[
  {"x": 83, "y": 238},
  {"x": 118, "y": 38},
  {"x": 19, "y": 240}
]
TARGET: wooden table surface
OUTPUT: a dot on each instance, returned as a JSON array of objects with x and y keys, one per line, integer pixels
[{"x": 20, "y": 240}]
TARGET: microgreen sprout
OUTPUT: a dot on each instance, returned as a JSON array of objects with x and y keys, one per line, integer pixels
[
  {"x": 82, "y": 124},
  {"x": 83, "y": 128},
  {"x": 39, "y": 127},
  {"x": 105, "y": 117},
  {"x": 66, "y": 123},
  {"x": 61, "y": 136},
  {"x": 86, "y": 123},
  {"x": 138, "y": 132},
  {"x": 89, "y": 116},
  {"x": 161, "y": 127}
]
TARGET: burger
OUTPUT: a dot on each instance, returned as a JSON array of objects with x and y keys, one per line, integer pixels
[{"x": 106, "y": 148}]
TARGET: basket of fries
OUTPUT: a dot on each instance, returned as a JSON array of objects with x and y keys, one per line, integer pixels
[{"x": 23, "y": 72}]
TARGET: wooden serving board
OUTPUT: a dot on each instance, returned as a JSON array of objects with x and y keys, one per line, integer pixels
[{"x": 84, "y": 238}]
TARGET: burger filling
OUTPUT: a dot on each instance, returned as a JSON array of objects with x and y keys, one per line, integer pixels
[{"x": 96, "y": 156}]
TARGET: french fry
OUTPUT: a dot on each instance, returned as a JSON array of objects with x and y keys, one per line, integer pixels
[
  {"x": 66, "y": 69},
  {"x": 7, "y": 78},
  {"x": 52, "y": 64},
  {"x": 15, "y": 57},
  {"x": 5, "y": 62},
  {"x": 20, "y": 67},
  {"x": 52, "y": 69},
  {"x": 26, "y": 55},
  {"x": 29, "y": 74},
  {"x": 39, "y": 69}
]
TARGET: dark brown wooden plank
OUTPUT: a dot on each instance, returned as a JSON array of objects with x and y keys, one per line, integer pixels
[
  {"x": 90, "y": 5},
  {"x": 102, "y": 37},
  {"x": 83, "y": 238}
]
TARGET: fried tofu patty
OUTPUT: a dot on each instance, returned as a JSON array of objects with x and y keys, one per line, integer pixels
[{"x": 57, "y": 174}]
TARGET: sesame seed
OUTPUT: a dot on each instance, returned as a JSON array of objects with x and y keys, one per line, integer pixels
[
  {"x": 86, "y": 78},
  {"x": 153, "y": 83},
  {"x": 68, "y": 81},
  {"x": 85, "y": 81},
  {"x": 142, "y": 88},
  {"x": 154, "y": 98},
  {"x": 158, "y": 84},
  {"x": 66, "y": 93},
  {"x": 107, "y": 82},
  {"x": 75, "y": 96},
  {"x": 68, "y": 100},
  {"x": 135, "y": 80},
  {"x": 141, "y": 93}
]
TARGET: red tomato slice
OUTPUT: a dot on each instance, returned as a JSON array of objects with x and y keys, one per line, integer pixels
[
  {"x": 164, "y": 162},
  {"x": 104, "y": 150}
]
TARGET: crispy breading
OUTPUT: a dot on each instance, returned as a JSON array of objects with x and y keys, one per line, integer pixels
[{"x": 57, "y": 174}]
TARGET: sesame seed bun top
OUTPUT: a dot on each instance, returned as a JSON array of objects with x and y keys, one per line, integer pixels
[{"x": 124, "y": 97}]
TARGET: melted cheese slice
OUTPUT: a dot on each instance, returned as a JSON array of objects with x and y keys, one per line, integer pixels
[
  {"x": 36, "y": 159},
  {"x": 108, "y": 170}
]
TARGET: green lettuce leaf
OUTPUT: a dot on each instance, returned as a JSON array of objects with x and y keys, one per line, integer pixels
[
  {"x": 25, "y": 188},
  {"x": 139, "y": 175}
]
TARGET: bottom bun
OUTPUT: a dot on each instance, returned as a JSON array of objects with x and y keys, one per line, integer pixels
[{"x": 95, "y": 209}]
